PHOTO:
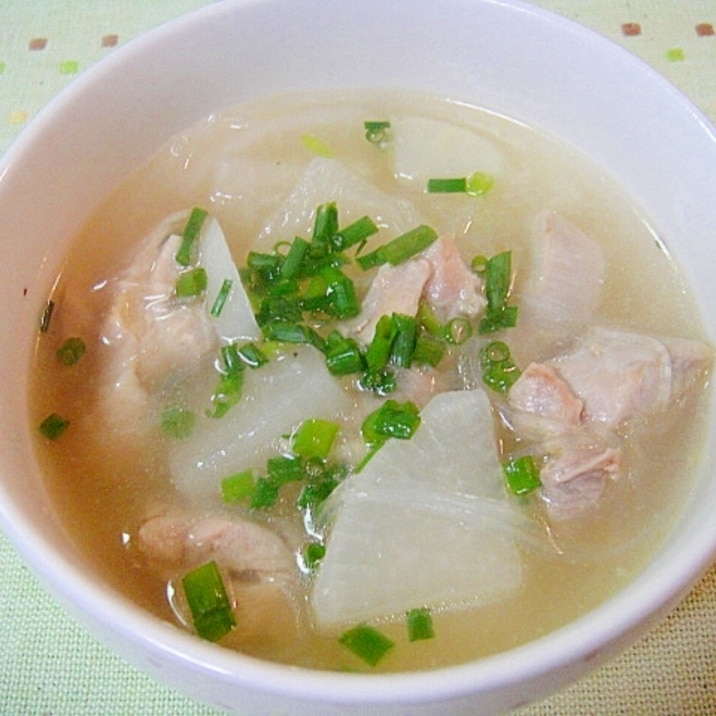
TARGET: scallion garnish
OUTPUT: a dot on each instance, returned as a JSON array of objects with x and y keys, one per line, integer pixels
[
  {"x": 313, "y": 554},
  {"x": 455, "y": 185},
  {"x": 522, "y": 475},
  {"x": 185, "y": 254},
  {"x": 391, "y": 420},
  {"x": 191, "y": 283},
  {"x": 406, "y": 330},
  {"x": 252, "y": 355},
  {"x": 475, "y": 184},
  {"x": 53, "y": 426},
  {"x": 221, "y": 297},
  {"x": 177, "y": 423},
  {"x": 46, "y": 316},
  {"x": 498, "y": 369},
  {"x": 343, "y": 355},
  {"x": 208, "y": 602},
  {"x": 401, "y": 248},
  {"x": 265, "y": 494},
  {"x": 367, "y": 643},
  {"x": 420, "y": 624},
  {"x": 231, "y": 382},
  {"x": 316, "y": 145},
  {"x": 380, "y": 382},
  {"x": 71, "y": 351},
  {"x": 377, "y": 131},
  {"x": 325, "y": 224},
  {"x": 429, "y": 350},
  {"x": 458, "y": 330},
  {"x": 238, "y": 487},
  {"x": 498, "y": 282},
  {"x": 314, "y": 438},
  {"x": 356, "y": 233},
  {"x": 284, "y": 469}
]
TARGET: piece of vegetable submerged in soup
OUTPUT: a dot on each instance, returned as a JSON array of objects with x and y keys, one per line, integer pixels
[{"x": 369, "y": 382}]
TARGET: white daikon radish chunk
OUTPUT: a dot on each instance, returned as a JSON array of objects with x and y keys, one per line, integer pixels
[
  {"x": 236, "y": 319},
  {"x": 328, "y": 180},
  {"x": 426, "y": 523},
  {"x": 276, "y": 398},
  {"x": 430, "y": 149}
]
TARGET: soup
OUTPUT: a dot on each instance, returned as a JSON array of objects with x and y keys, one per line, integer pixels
[{"x": 369, "y": 381}]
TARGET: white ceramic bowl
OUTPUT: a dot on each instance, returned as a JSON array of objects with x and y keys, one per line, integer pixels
[{"x": 507, "y": 56}]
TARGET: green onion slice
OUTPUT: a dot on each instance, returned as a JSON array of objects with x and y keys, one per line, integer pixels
[
  {"x": 367, "y": 643},
  {"x": 191, "y": 283},
  {"x": 221, "y": 297},
  {"x": 71, "y": 351},
  {"x": 190, "y": 235},
  {"x": 238, "y": 487},
  {"x": 177, "y": 423},
  {"x": 420, "y": 624},
  {"x": 208, "y": 602},
  {"x": 377, "y": 131},
  {"x": 401, "y": 248},
  {"x": 498, "y": 369},
  {"x": 53, "y": 426},
  {"x": 391, "y": 420},
  {"x": 46, "y": 316},
  {"x": 522, "y": 475},
  {"x": 314, "y": 438}
]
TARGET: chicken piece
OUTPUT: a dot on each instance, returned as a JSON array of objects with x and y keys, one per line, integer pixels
[
  {"x": 623, "y": 376},
  {"x": 257, "y": 565},
  {"x": 576, "y": 472},
  {"x": 395, "y": 289},
  {"x": 542, "y": 403},
  {"x": 452, "y": 289}
]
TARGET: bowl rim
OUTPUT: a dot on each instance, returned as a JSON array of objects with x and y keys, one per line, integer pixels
[{"x": 583, "y": 639}]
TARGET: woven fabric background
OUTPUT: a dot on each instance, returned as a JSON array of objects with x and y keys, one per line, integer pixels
[{"x": 48, "y": 665}]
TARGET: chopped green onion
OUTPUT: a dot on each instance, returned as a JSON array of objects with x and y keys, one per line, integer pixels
[
  {"x": 325, "y": 225},
  {"x": 406, "y": 329},
  {"x": 227, "y": 393},
  {"x": 458, "y": 330},
  {"x": 377, "y": 132},
  {"x": 391, "y": 420},
  {"x": 191, "y": 283},
  {"x": 522, "y": 475},
  {"x": 447, "y": 186},
  {"x": 478, "y": 183},
  {"x": 285, "y": 468},
  {"x": 341, "y": 292},
  {"x": 222, "y": 297},
  {"x": 314, "y": 438},
  {"x": 294, "y": 258},
  {"x": 313, "y": 554},
  {"x": 238, "y": 487},
  {"x": 380, "y": 382},
  {"x": 367, "y": 643},
  {"x": 252, "y": 355},
  {"x": 420, "y": 624},
  {"x": 343, "y": 355},
  {"x": 401, "y": 248},
  {"x": 177, "y": 423},
  {"x": 185, "y": 254},
  {"x": 429, "y": 350},
  {"x": 46, "y": 317},
  {"x": 53, "y": 426},
  {"x": 377, "y": 354},
  {"x": 293, "y": 333},
  {"x": 498, "y": 279},
  {"x": 475, "y": 184},
  {"x": 71, "y": 351},
  {"x": 314, "y": 493},
  {"x": 265, "y": 494},
  {"x": 479, "y": 264},
  {"x": 356, "y": 233},
  {"x": 316, "y": 145},
  {"x": 498, "y": 369},
  {"x": 208, "y": 602},
  {"x": 429, "y": 321}
]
